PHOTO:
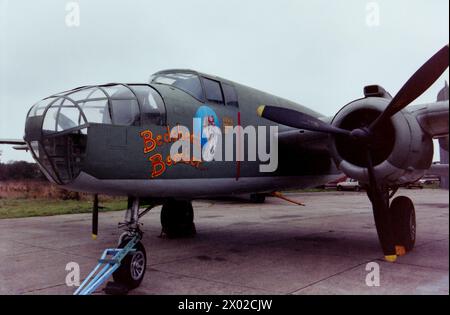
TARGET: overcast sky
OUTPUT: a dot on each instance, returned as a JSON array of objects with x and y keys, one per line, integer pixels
[{"x": 318, "y": 53}]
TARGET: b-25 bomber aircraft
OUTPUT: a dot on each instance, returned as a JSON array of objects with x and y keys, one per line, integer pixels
[{"x": 116, "y": 139}]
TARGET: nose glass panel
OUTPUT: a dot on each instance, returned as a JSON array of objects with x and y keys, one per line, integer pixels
[
  {"x": 61, "y": 157},
  {"x": 66, "y": 153},
  {"x": 63, "y": 114}
]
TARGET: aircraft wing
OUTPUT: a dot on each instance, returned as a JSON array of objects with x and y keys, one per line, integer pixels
[
  {"x": 17, "y": 144},
  {"x": 433, "y": 118}
]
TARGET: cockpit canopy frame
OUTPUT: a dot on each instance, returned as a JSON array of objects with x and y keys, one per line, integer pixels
[{"x": 113, "y": 103}]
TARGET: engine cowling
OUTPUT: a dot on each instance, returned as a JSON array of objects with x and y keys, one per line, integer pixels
[{"x": 402, "y": 153}]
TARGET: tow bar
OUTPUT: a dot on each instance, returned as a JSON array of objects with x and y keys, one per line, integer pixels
[{"x": 106, "y": 266}]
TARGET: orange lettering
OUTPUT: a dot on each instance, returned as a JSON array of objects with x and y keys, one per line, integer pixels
[
  {"x": 159, "y": 140},
  {"x": 149, "y": 142},
  {"x": 158, "y": 166},
  {"x": 168, "y": 160}
]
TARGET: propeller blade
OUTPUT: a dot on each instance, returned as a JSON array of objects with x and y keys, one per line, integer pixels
[
  {"x": 95, "y": 217},
  {"x": 380, "y": 205},
  {"x": 299, "y": 120},
  {"x": 419, "y": 82}
]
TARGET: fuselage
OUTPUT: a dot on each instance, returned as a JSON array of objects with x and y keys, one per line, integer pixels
[{"x": 131, "y": 156}]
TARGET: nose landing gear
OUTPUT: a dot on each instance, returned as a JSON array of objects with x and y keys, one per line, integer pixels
[
  {"x": 132, "y": 268},
  {"x": 127, "y": 263}
]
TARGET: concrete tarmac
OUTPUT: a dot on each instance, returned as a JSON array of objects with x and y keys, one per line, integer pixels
[{"x": 241, "y": 248}]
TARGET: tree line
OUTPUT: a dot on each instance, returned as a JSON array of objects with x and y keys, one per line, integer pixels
[{"x": 18, "y": 170}]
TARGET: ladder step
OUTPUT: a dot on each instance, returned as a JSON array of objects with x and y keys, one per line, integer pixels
[{"x": 108, "y": 261}]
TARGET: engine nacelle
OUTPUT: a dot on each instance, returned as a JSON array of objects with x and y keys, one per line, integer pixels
[{"x": 402, "y": 155}]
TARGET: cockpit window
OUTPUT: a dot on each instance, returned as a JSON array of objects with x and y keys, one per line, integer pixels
[
  {"x": 230, "y": 95},
  {"x": 152, "y": 105},
  {"x": 213, "y": 91},
  {"x": 97, "y": 111},
  {"x": 124, "y": 105},
  {"x": 188, "y": 82}
]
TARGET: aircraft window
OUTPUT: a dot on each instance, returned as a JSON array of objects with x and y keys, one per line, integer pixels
[
  {"x": 230, "y": 95},
  {"x": 62, "y": 115},
  {"x": 94, "y": 104},
  {"x": 69, "y": 117},
  {"x": 38, "y": 108},
  {"x": 152, "y": 105},
  {"x": 108, "y": 104},
  {"x": 213, "y": 91},
  {"x": 125, "y": 112},
  {"x": 125, "y": 108},
  {"x": 188, "y": 82},
  {"x": 86, "y": 94},
  {"x": 50, "y": 119},
  {"x": 96, "y": 111}
]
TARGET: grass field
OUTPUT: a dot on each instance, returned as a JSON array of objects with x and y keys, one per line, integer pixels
[
  {"x": 13, "y": 207},
  {"x": 20, "y": 208}
]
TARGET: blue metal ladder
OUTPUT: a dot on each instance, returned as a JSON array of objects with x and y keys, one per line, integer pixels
[{"x": 106, "y": 266}]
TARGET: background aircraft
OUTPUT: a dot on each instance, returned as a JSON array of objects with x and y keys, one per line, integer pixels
[{"x": 115, "y": 139}]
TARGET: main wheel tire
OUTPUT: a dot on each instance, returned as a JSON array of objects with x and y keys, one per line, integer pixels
[
  {"x": 133, "y": 266},
  {"x": 177, "y": 219},
  {"x": 404, "y": 222},
  {"x": 258, "y": 198},
  {"x": 339, "y": 188}
]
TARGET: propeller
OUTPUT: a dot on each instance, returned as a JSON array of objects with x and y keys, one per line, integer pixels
[
  {"x": 419, "y": 82},
  {"x": 366, "y": 136},
  {"x": 299, "y": 120},
  {"x": 380, "y": 205}
]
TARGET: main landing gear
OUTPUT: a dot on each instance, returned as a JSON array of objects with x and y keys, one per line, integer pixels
[
  {"x": 396, "y": 224},
  {"x": 177, "y": 219}
]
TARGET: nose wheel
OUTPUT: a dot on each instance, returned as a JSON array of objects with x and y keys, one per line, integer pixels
[
  {"x": 133, "y": 266},
  {"x": 131, "y": 271}
]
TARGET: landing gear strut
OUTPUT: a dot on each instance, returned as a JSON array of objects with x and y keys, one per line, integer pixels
[
  {"x": 132, "y": 269},
  {"x": 127, "y": 263}
]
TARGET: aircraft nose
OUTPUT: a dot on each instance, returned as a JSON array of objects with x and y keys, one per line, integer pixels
[{"x": 56, "y": 131}]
